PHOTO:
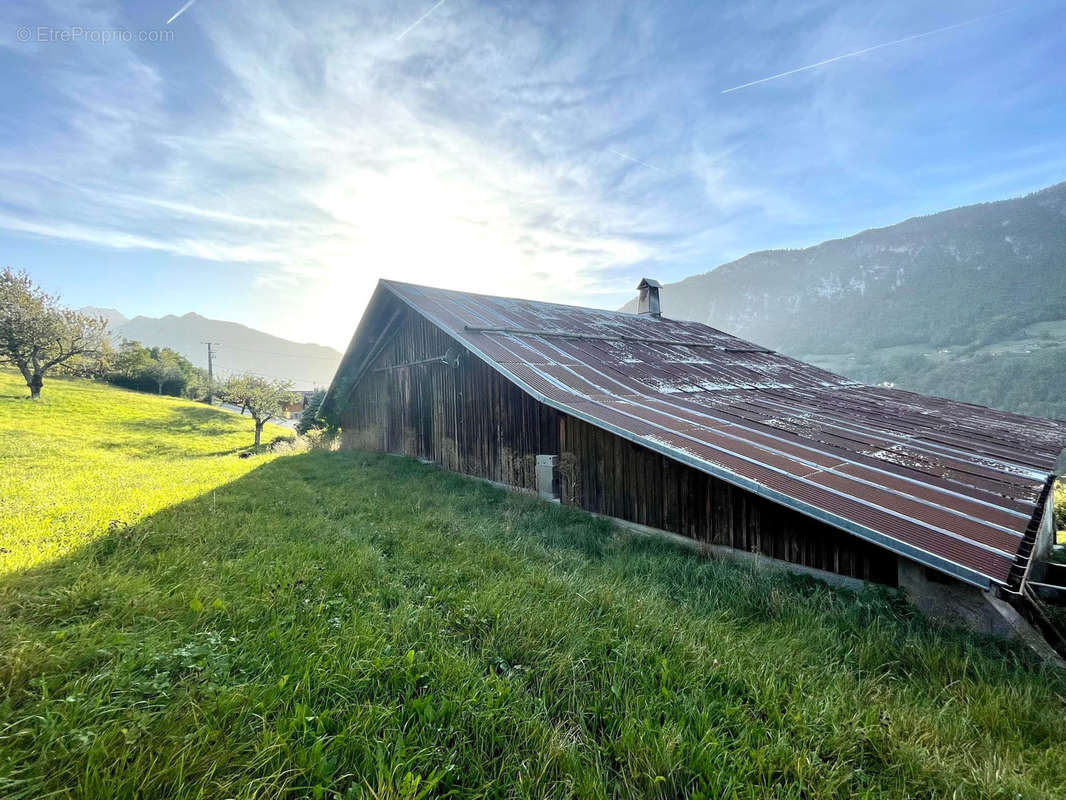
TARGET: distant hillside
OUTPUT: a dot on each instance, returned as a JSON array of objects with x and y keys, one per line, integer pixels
[
  {"x": 113, "y": 316},
  {"x": 240, "y": 348},
  {"x": 968, "y": 303}
]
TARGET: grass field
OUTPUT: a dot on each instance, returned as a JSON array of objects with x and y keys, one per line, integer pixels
[
  {"x": 343, "y": 625},
  {"x": 89, "y": 456}
]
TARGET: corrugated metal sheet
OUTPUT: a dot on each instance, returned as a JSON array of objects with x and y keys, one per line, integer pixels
[{"x": 950, "y": 484}]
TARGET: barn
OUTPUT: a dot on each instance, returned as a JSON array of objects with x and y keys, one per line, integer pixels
[{"x": 681, "y": 428}]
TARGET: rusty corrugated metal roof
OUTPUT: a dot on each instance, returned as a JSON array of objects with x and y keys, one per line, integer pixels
[{"x": 952, "y": 485}]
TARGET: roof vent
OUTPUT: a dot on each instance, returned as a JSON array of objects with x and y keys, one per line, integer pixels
[{"x": 648, "y": 301}]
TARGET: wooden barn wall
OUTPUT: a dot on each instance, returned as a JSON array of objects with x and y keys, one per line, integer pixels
[
  {"x": 468, "y": 418},
  {"x": 604, "y": 473}
]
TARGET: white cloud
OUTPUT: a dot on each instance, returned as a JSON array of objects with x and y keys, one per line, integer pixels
[
  {"x": 305, "y": 145},
  {"x": 340, "y": 153}
]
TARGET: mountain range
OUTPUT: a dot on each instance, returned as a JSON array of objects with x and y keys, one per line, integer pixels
[
  {"x": 968, "y": 303},
  {"x": 238, "y": 348}
]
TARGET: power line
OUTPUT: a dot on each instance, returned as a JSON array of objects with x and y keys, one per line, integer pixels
[
  {"x": 231, "y": 372},
  {"x": 287, "y": 355}
]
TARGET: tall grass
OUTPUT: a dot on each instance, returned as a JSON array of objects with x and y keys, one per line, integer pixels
[{"x": 345, "y": 625}]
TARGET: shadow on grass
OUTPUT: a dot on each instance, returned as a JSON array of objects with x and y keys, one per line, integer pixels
[
  {"x": 161, "y": 449},
  {"x": 334, "y": 617},
  {"x": 186, "y": 418}
]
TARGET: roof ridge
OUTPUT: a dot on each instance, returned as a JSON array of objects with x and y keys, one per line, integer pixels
[{"x": 389, "y": 282}]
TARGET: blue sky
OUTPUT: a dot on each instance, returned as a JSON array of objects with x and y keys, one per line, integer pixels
[{"x": 271, "y": 160}]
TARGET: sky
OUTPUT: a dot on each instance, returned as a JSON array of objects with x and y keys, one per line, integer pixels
[{"x": 266, "y": 162}]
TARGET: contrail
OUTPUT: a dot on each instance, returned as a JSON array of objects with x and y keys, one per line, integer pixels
[
  {"x": 416, "y": 23},
  {"x": 180, "y": 11},
  {"x": 635, "y": 160},
  {"x": 865, "y": 50}
]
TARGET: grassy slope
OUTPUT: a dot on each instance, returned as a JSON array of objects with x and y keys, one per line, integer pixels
[
  {"x": 88, "y": 454},
  {"x": 337, "y": 624}
]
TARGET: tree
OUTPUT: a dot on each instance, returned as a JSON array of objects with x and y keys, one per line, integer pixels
[
  {"x": 37, "y": 334},
  {"x": 157, "y": 369},
  {"x": 309, "y": 418},
  {"x": 95, "y": 366},
  {"x": 199, "y": 385},
  {"x": 165, "y": 368},
  {"x": 131, "y": 362},
  {"x": 262, "y": 398}
]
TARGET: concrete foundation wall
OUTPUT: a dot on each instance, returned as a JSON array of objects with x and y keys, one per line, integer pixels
[
  {"x": 954, "y": 603},
  {"x": 966, "y": 606}
]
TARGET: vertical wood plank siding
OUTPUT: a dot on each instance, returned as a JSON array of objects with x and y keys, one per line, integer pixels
[
  {"x": 467, "y": 418},
  {"x": 604, "y": 473},
  {"x": 470, "y": 419}
]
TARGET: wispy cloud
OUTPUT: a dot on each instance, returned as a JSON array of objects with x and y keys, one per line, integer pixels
[
  {"x": 335, "y": 160},
  {"x": 863, "y": 51},
  {"x": 552, "y": 150}
]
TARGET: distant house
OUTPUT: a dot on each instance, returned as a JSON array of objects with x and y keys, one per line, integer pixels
[
  {"x": 683, "y": 428},
  {"x": 293, "y": 409}
]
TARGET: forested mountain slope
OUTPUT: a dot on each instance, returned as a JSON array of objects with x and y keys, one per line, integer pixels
[{"x": 968, "y": 303}]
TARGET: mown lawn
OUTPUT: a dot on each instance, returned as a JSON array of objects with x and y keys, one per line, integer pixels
[
  {"x": 346, "y": 625},
  {"x": 87, "y": 456}
]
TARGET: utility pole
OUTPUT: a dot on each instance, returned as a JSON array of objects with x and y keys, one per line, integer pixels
[{"x": 210, "y": 371}]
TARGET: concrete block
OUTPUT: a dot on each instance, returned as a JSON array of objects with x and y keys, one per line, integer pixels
[{"x": 547, "y": 471}]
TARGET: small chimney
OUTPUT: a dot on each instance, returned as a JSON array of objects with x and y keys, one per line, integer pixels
[{"x": 648, "y": 301}]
